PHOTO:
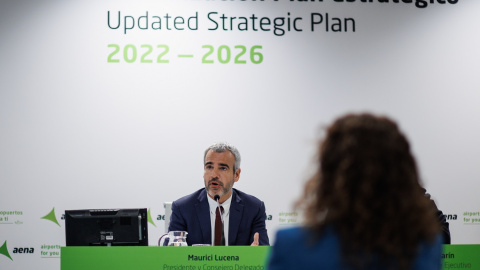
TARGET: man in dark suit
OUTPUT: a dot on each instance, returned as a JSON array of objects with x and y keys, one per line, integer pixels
[{"x": 244, "y": 215}]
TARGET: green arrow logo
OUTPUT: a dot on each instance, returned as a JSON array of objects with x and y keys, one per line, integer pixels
[
  {"x": 149, "y": 218},
  {"x": 4, "y": 250},
  {"x": 51, "y": 216}
]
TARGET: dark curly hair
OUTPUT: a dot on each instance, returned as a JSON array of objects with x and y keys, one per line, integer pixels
[{"x": 367, "y": 188}]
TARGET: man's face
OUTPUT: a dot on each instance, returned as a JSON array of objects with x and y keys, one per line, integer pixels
[{"x": 219, "y": 175}]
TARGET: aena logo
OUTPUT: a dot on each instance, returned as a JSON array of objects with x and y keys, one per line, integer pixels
[
  {"x": 451, "y": 217},
  {"x": 51, "y": 216},
  {"x": 149, "y": 218},
  {"x": 4, "y": 250},
  {"x": 23, "y": 250}
]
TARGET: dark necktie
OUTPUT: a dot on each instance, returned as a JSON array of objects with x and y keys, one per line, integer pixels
[{"x": 219, "y": 241}]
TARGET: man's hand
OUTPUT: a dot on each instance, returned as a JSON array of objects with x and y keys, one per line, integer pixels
[{"x": 255, "y": 239}]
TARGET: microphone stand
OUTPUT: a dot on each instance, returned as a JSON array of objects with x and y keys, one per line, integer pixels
[{"x": 217, "y": 199}]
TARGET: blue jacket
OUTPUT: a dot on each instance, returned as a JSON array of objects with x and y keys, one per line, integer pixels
[
  {"x": 291, "y": 251},
  {"x": 247, "y": 216}
]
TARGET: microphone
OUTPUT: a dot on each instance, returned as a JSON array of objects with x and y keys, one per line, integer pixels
[{"x": 217, "y": 199}]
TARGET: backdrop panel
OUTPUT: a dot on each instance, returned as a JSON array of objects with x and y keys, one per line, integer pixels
[{"x": 110, "y": 104}]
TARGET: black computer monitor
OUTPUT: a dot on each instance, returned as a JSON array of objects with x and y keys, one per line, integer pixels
[{"x": 106, "y": 227}]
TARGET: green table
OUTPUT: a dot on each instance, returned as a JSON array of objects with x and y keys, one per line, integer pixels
[
  {"x": 211, "y": 258},
  {"x": 164, "y": 258}
]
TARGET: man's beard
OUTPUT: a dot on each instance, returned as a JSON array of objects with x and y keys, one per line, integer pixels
[{"x": 224, "y": 190}]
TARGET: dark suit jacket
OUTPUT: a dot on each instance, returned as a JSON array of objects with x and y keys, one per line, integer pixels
[
  {"x": 247, "y": 216},
  {"x": 294, "y": 249}
]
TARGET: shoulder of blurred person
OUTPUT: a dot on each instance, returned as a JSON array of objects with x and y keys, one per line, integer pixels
[{"x": 299, "y": 248}]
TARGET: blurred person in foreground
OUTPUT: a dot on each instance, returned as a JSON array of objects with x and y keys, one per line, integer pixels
[{"x": 364, "y": 208}]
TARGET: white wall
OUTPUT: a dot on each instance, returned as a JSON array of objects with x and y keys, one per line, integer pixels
[{"x": 77, "y": 132}]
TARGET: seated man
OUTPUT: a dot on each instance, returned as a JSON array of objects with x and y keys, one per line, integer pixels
[{"x": 243, "y": 221}]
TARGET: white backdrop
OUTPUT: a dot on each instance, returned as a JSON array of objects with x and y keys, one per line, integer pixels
[{"x": 78, "y": 132}]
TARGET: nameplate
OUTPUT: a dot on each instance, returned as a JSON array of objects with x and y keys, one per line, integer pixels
[
  {"x": 212, "y": 258},
  {"x": 164, "y": 258}
]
